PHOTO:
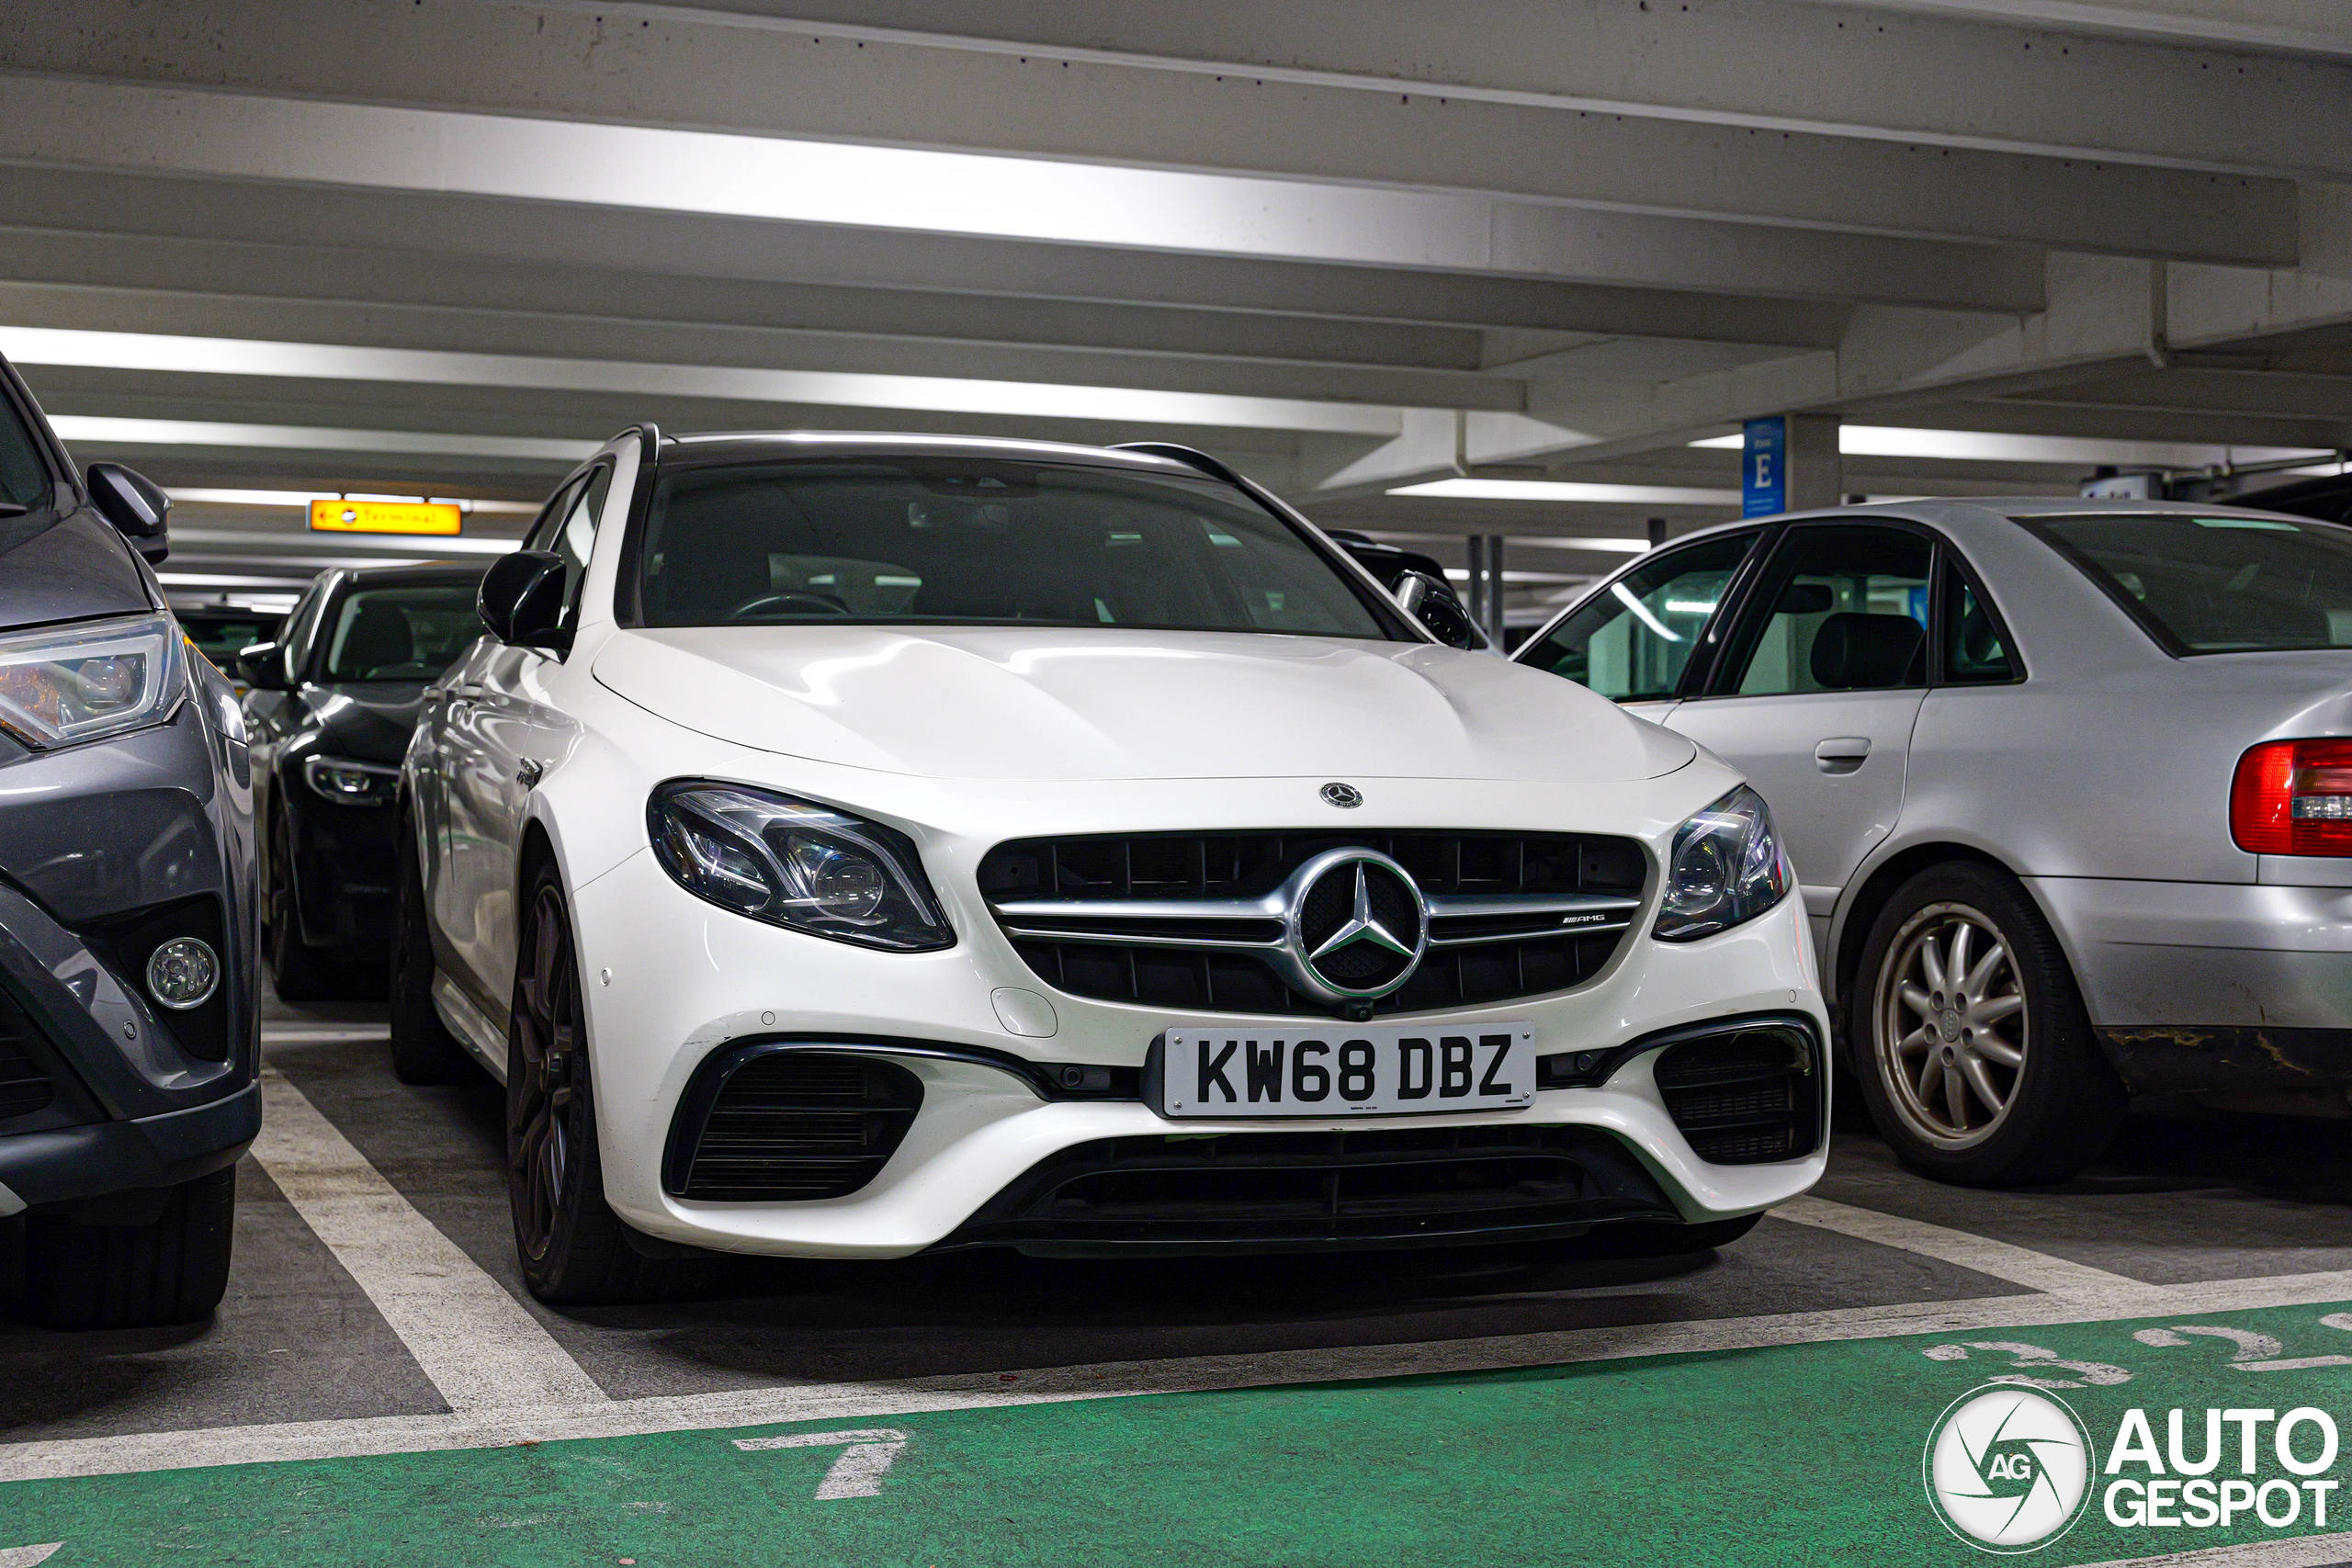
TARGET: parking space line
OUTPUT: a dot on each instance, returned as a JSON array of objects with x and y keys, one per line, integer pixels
[
  {"x": 477, "y": 1344},
  {"x": 492, "y": 1428},
  {"x": 2331, "y": 1551},
  {"x": 1982, "y": 1255}
]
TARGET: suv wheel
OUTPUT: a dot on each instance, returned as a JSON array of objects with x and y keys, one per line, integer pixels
[
  {"x": 424, "y": 1051},
  {"x": 575, "y": 1250},
  {"x": 166, "y": 1267},
  {"x": 1975, "y": 1055}
]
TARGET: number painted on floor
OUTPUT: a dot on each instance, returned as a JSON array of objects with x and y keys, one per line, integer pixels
[
  {"x": 865, "y": 1458},
  {"x": 2254, "y": 1352},
  {"x": 2030, "y": 1358},
  {"x": 26, "y": 1556}
]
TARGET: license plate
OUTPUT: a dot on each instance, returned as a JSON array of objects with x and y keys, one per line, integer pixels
[{"x": 1352, "y": 1070}]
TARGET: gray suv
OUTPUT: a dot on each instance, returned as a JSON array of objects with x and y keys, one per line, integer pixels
[{"x": 128, "y": 1039}]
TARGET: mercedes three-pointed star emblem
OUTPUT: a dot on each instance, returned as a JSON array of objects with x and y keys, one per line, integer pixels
[
  {"x": 1361, "y": 925},
  {"x": 1354, "y": 927}
]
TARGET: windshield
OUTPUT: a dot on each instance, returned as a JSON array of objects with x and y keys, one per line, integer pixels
[
  {"x": 220, "y": 636},
  {"x": 979, "y": 541},
  {"x": 24, "y": 477},
  {"x": 410, "y": 632},
  {"x": 2216, "y": 585}
]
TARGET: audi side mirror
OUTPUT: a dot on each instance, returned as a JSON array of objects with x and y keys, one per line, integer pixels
[
  {"x": 1429, "y": 600},
  {"x": 262, "y": 665},
  {"x": 522, "y": 600},
  {"x": 137, "y": 508}
]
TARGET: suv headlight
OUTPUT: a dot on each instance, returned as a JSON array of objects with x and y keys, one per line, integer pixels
[
  {"x": 93, "y": 678},
  {"x": 1726, "y": 867},
  {"x": 796, "y": 864},
  {"x": 349, "y": 783}
]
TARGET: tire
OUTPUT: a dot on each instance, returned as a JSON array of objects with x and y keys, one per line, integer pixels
[
  {"x": 1640, "y": 1238},
  {"x": 173, "y": 1269},
  {"x": 2016, "y": 1090},
  {"x": 424, "y": 1051},
  {"x": 575, "y": 1250},
  {"x": 302, "y": 973}
]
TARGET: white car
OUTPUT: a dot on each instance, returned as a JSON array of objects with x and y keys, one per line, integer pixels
[{"x": 851, "y": 846}]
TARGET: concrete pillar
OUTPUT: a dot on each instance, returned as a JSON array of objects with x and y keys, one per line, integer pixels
[{"x": 1485, "y": 598}]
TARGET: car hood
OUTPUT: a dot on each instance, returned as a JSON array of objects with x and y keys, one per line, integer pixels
[
  {"x": 367, "y": 720},
  {"x": 66, "y": 569},
  {"x": 1019, "y": 703}
]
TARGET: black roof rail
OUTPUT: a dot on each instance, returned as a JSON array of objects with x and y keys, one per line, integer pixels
[{"x": 1190, "y": 457}]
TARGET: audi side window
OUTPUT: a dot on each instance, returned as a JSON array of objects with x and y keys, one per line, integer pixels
[
  {"x": 1843, "y": 609},
  {"x": 1632, "y": 642},
  {"x": 1975, "y": 651}
]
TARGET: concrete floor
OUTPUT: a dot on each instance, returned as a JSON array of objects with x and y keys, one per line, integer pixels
[{"x": 2183, "y": 1200}]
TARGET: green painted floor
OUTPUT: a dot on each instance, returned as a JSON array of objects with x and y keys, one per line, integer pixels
[{"x": 1806, "y": 1454}]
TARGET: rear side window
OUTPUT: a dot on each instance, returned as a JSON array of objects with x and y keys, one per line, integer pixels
[
  {"x": 1632, "y": 642},
  {"x": 1976, "y": 653},
  {"x": 2216, "y": 585},
  {"x": 1843, "y": 609},
  {"x": 408, "y": 632}
]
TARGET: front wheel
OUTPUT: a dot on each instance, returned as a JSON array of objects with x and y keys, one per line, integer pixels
[
  {"x": 575, "y": 1250},
  {"x": 1975, "y": 1052},
  {"x": 170, "y": 1264}
]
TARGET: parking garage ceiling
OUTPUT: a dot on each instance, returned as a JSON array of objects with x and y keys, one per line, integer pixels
[{"x": 271, "y": 248}]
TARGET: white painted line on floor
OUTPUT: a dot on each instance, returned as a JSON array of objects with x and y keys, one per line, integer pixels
[
  {"x": 858, "y": 1472},
  {"x": 321, "y": 1035},
  {"x": 26, "y": 1556},
  {"x": 1983, "y": 1255},
  {"x": 474, "y": 1340},
  {"x": 2330, "y": 1550},
  {"x": 837, "y": 1402}
]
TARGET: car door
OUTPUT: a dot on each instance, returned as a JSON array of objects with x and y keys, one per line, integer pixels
[
  {"x": 503, "y": 729},
  {"x": 1819, "y": 688},
  {"x": 1635, "y": 640}
]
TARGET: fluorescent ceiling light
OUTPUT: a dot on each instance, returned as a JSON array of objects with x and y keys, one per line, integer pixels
[
  {"x": 833, "y": 389},
  {"x": 270, "y": 542},
  {"x": 1561, "y": 490},
  {"x": 1994, "y": 446},
  {"x": 202, "y": 497},
  {"x": 105, "y": 430}
]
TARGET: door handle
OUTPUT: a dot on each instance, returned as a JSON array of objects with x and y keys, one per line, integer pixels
[
  {"x": 528, "y": 771},
  {"x": 1842, "y": 753}
]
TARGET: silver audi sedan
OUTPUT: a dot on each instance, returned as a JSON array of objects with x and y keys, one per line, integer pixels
[{"x": 2067, "y": 785}]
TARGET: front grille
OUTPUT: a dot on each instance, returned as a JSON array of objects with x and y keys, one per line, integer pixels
[
  {"x": 1190, "y": 921},
  {"x": 24, "y": 1087},
  {"x": 1744, "y": 1095},
  {"x": 1271, "y": 1191},
  {"x": 774, "y": 1123}
]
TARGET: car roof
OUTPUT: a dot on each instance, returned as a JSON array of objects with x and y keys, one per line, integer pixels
[
  {"x": 1969, "y": 512},
  {"x": 740, "y": 446}
]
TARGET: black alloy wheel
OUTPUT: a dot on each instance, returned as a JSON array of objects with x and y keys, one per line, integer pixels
[
  {"x": 302, "y": 973},
  {"x": 575, "y": 1250},
  {"x": 424, "y": 1051},
  {"x": 1971, "y": 1043}
]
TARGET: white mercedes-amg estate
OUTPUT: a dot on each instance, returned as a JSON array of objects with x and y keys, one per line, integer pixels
[{"x": 850, "y": 846}]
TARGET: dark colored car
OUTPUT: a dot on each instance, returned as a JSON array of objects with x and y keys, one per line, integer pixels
[
  {"x": 128, "y": 1045},
  {"x": 2327, "y": 498},
  {"x": 330, "y": 707}
]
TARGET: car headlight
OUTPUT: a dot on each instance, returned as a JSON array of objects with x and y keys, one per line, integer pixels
[
  {"x": 349, "y": 783},
  {"x": 1727, "y": 867},
  {"x": 63, "y": 684},
  {"x": 796, "y": 864}
]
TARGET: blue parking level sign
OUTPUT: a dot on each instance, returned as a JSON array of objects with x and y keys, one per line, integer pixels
[{"x": 1764, "y": 468}]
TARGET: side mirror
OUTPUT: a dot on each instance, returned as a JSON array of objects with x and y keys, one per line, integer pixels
[
  {"x": 1429, "y": 600},
  {"x": 522, "y": 600},
  {"x": 262, "y": 667},
  {"x": 134, "y": 504}
]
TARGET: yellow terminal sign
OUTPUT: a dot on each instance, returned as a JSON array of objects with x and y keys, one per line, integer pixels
[{"x": 383, "y": 517}]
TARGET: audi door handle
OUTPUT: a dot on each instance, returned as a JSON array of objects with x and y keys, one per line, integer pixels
[
  {"x": 1842, "y": 753},
  {"x": 528, "y": 771}
]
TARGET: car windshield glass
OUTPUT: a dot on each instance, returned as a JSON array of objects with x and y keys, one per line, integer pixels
[
  {"x": 219, "y": 638},
  {"x": 24, "y": 478},
  {"x": 410, "y": 632},
  {"x": 966, "y": 540},
  {"x": 2217, "y": 584}
]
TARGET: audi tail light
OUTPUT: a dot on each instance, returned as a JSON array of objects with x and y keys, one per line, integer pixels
[{"x": 2293, "y": 798}]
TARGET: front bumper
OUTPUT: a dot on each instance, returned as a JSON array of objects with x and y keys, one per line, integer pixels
[
  {"x": 2211, "y": 985},
  {"x": 670, "y": 980}
]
